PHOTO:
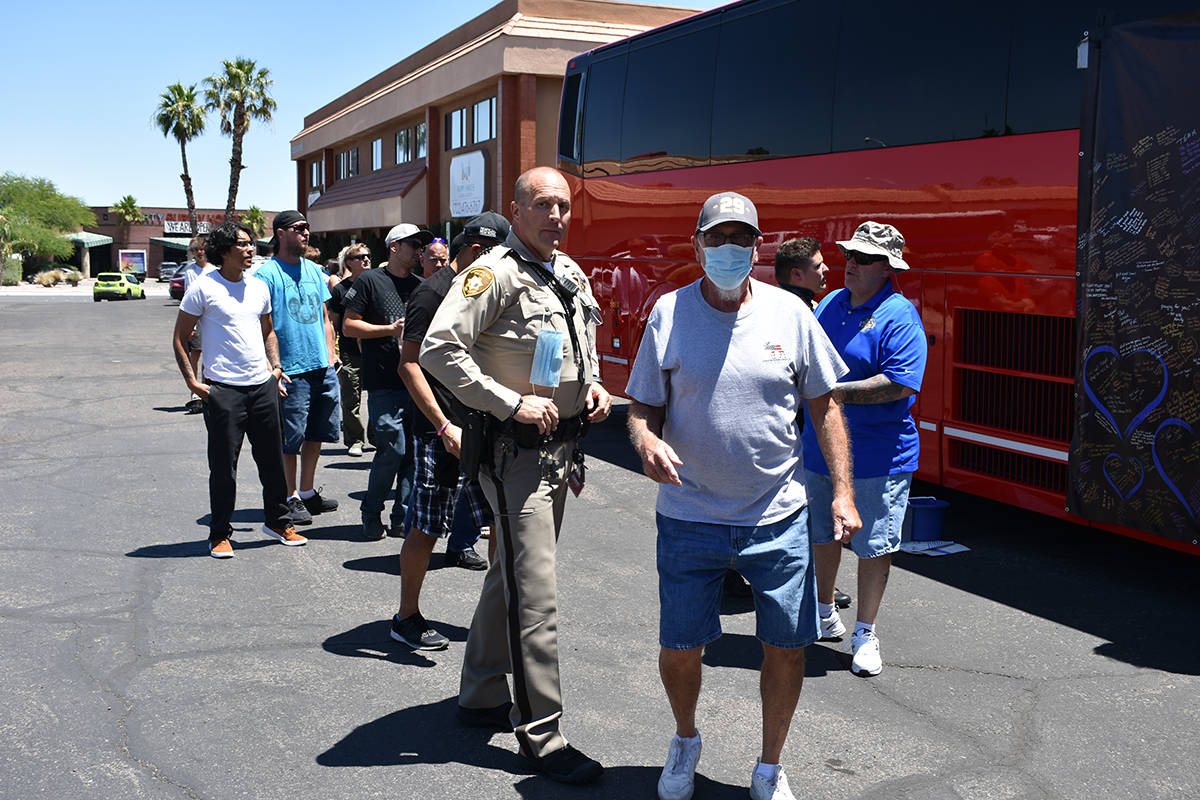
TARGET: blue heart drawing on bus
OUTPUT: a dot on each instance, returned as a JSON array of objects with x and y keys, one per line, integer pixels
[
  {"x": 1146, "y": 410},
  {"x": 1108, "y": 476},
  {"x": 1173, "y": 422}
]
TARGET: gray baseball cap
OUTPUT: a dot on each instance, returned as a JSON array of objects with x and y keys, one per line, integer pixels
[
  {"x": 876, "y": 238},
  {"x": 406, "y": 230},
  {"x": 728, "y": 207}
]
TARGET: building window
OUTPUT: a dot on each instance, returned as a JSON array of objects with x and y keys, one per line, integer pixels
[
  {"x": 484, "y": 114},
  {"x": 317, "y": 169},
  {"x": 347, "y": 163},
  {"x": 353, "y": 170},
  {"x": 419, "y": 132},
  {"x": 341, "y": 166},
  {"x": 456, "y": 129},
  {"x": 404, "y": 152},
  {"x": 376, "y": 154}
]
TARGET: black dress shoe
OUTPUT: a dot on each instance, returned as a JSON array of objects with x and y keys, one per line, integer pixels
[
  {"x": 840, "y": 598},
  {"x": 467, "y": 559},
  {"x": 495, "y": 718},
  {"x": 567, "y": 765}
]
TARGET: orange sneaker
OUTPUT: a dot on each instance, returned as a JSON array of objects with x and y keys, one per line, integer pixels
[
  {"x": 286, "y": 535},
  {"x": 221, "y": 548}
]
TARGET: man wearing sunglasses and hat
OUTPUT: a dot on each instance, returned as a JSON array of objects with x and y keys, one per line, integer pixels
[
  {"x": 375, "y": 316},
  {"x": 722, "y": 370},
  {"x": 879, "y": 335}
]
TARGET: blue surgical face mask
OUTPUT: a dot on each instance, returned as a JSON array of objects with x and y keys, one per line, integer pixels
[
  {"x": 547, "y": 358},
  {"x": 728, "y": 265}
]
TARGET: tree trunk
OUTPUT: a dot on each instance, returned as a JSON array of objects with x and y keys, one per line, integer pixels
[
  {"x": 187, "y": 190},
  {"x": 235, "y": 161}
]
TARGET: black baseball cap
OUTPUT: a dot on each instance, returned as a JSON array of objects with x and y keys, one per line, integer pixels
[{"x": 488, "y": 226}]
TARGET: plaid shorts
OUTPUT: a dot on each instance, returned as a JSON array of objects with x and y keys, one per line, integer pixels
[{"x": 436, "y": 487}]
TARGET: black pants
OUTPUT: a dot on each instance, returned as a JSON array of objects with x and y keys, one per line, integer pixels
[{"x": 231, "y": 413}]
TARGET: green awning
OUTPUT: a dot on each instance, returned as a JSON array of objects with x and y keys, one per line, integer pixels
[
  {"x": 88, "y": 239},
  {"x": 173, "y": 243}
]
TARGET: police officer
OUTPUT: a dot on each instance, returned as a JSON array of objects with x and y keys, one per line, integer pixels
[{"x": 515, "y": 338}]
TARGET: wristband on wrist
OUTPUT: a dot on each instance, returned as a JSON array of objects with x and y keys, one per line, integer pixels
[
  {"x": 277, "y": 367},
  {"x": 442, "y": 429}
]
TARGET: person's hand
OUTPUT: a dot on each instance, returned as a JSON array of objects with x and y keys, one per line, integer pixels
[
  {"x": 199, "y": 389},
  {"x": 398, "y": 328},
  {"x": 599, "y": 403},
  {"x": 846, "y": 521},
  {"x": 452, "y": 439},
  {"x": 540, "y": 411},
  {"x": 659, "y": 460},
  {"x": 283, "y": 378}
]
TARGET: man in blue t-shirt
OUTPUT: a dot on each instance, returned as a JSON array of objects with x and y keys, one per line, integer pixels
[
  {"x": 878, "y": 333},
  {"x": 311, "y": 408}
]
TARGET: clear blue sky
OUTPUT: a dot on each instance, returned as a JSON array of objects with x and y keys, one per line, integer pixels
[{"x": 84, "y": 79}]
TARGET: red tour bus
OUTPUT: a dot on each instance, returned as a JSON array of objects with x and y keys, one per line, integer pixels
[{"x": 957, "y": 123}]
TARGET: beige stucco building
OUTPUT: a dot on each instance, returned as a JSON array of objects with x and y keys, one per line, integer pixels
[{"x": 444, "y": 133}]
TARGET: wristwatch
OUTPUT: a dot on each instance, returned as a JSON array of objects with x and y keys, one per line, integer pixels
[{"x": 516, "y": 408}]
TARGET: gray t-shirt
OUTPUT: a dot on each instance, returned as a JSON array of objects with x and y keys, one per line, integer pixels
[{"x": 732, "y": 383}]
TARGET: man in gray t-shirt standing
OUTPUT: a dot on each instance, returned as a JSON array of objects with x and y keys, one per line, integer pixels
[{"x": 718, "y": 380}]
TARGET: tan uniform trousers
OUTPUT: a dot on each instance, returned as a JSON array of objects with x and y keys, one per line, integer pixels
[{"x": 516, "y": 621}]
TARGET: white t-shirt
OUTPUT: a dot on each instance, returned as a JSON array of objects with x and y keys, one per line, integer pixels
[
  {"x": 732, "y": 384},
  {"x": 191, "y": 271},
  {"x": 230, "y": 327}
]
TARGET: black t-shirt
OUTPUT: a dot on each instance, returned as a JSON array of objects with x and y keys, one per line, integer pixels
[
  {"x": 347, "y": 345},
  {"x": 422, "y": 304},
  {"x": 379, "y": 297}
]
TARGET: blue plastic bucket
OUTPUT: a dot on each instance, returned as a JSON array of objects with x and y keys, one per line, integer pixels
[{"x": 923, "y": 520}]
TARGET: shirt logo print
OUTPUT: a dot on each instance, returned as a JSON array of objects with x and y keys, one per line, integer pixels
[
  {"x": 775, "y": 352},
  {"x": 867, "y": 324}
]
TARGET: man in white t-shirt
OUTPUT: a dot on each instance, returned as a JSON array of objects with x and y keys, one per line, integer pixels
[
  {"x": 719, "y": 378},
  {"x": 241, "y": 387},
  {"x": 192, "y": 269}
]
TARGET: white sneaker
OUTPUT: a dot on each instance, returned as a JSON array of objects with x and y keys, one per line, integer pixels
[
  {"x": 832, "y": 627},
  {"x": 679, "y": 775},
  {"x": 866, "y": 660},
  {"x": 763, "y": 789}
]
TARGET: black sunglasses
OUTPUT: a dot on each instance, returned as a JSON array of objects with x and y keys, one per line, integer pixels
[
  {"x": 299, "y": 227},
  {"x": 863, "y": 259}
]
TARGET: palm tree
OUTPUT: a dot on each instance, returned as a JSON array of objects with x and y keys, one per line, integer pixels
[
  {"x": 239, "y": 94},
  {"x": 180, "y": 115},
  {"x": 129, "y": 212},
  {"x": 256, "y": 219}
]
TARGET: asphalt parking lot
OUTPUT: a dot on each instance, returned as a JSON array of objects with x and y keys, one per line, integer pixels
[{"x": 1047, "y": 662}]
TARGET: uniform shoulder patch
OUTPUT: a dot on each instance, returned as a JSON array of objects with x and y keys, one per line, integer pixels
[{"x": 477, "y": 281}]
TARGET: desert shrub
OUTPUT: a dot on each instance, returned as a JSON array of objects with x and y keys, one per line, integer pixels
[
  {"x": 12, "y": 272},
  {"x": 48, "y": 277}
]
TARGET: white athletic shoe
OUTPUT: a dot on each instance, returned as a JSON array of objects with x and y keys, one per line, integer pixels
[
  {"x": 832, "y": 627},
  {"x": 678, "y": 778},
  {"x": 763, "y": 789},
  {"x": 866, "y": 660}
]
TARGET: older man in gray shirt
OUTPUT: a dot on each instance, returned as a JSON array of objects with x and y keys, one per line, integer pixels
[{"x": 717, "y": 384}]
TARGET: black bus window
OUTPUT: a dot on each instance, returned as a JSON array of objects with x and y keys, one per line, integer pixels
[
  {"x": 773, "y": 91},
  {"x": 568, "y": 122},
  {"x": 668, "y": 102},
  {"x": 603, "y": 92},
  {"x": 913, "y": 74}
]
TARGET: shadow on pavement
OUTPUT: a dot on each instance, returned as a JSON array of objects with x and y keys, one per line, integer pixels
[
  {"x": 191, "y": 549},
  {"x": 1097, "y": 582},
  {"x": 342, "y": 533},
  {"x": 623, "y": 782},
  {"x": 388, "y": 564},
  {"x": 353, "y": 463},
  {"x": 373, "y": 640},
  {"x": 743, "y": 651},
  {"x": 171, "y": 409}
]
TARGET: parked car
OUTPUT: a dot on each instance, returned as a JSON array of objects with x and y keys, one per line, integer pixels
[
  {"x": 167, "y": 270},
  {"x": 117, "y": 286},
  {"x": 177, "y": 286}
]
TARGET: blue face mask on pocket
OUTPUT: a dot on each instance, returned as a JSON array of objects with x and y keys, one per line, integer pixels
[{"x": 547, "y": 358}]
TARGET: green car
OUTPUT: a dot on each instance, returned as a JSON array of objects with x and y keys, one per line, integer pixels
[{"x": 117, "y": 286}]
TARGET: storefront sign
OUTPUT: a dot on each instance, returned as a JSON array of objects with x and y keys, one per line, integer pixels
[
  {"x": 132, "y": 261},
  {"x": 467, "y": 187},
  {"x": 178, "y": 222}
]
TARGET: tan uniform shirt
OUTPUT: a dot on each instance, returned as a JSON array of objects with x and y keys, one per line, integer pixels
[{"x": 481, "y": 340}]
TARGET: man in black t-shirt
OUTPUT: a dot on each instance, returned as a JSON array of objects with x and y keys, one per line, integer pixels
[
  {"x": 436, "y": 443},
  {"x": 375, "y": 315}
]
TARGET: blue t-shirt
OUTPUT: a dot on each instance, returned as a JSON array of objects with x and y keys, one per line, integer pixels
[
  {"x": 883, "y": 335},
  {"x": 298, "y": 295}
]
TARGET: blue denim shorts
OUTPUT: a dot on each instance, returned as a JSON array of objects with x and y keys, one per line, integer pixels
[
  {"x": 776, "y": 560},
  {"x": 312, "y": 409},
  {"x": 881, "y": 503}
]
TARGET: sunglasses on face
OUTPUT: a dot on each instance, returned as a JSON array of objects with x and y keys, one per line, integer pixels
[
  {"x": 299, "y": 227},
  {"x": 863, "y": 259},
  {"x": 714, "y": 239},
  {"x": 356, "y": 256}
]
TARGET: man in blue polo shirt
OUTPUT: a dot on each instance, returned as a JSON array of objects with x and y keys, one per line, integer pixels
[{"x": 878, "y": 333}]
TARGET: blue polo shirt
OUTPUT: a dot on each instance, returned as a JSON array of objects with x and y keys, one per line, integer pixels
[
  {"x": 298, "y": 295},
  {"x": 883, "y": 335}
]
